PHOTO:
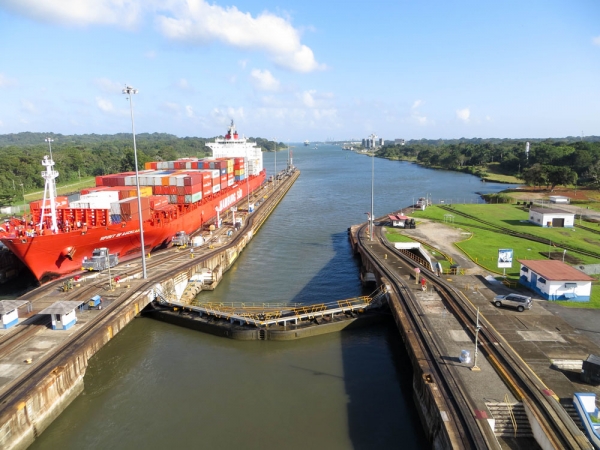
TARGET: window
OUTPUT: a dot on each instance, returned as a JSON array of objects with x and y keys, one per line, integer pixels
[
  {"x": 524, "y": 269},
  {"x": 542, "y": 280},
  {"x": 570, "y": 285}
]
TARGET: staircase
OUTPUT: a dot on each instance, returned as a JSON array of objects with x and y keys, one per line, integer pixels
[
  {"x": 567, "y": 404},
  {"x": 510, "y": 419}
]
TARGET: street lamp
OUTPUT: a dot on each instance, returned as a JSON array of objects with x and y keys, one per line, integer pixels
[
  {"x": 475, "y": 367},
  {"x": 130, "y": 91},
  {"x": 275, "y": 174},
  {"x": 372, "y": 189},
  {"x": 23, "y": 188}
]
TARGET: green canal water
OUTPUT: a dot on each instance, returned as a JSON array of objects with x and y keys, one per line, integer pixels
[{"x": 156, "y": 386}]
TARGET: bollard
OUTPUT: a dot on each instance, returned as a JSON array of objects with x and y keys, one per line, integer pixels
[{"x": 385, "y": 256}]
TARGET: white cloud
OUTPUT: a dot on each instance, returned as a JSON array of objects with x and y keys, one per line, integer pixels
[
  {"x": 150, "y": 54},
  {"x": 264, "y": 80},
  {"x": 105, "y": 105},
  {"x": 172, "y": 107},
  {"x": 308, "y": 98},
  {"x": 78, "y": 12},
  {"x": 596, "y": 41},
  {"x": 29, "y": 107},
  {"x": 183, "y": 84},
  {"x": 416, "y": 116},
  {"x": 224, "y": 116},
  {"x": 196, "y": 21},
  {"x": 189, "y": 111},
  {"x": 6, "y": 82},
  {"x": 108, "y": 86},
  {"x": 463, "y": 114}
]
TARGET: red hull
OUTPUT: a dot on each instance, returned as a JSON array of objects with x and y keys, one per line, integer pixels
[{"x": 45, "y": 255}]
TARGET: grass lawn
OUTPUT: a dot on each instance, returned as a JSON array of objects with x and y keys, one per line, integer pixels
[{"x": 483, "y": 243}]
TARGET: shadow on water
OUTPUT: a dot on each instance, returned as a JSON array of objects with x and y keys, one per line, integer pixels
[
  {"x": 378, "y": 416},
  {"x": 378, "y": 374}
]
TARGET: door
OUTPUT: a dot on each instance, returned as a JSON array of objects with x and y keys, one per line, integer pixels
[{"x": 558, "y": 223}]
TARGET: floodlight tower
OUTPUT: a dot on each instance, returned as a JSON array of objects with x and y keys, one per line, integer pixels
[{"x": 130, "y": 91}]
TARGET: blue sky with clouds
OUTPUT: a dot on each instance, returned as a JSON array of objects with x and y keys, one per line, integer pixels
[{"x": 302, "y": 70}]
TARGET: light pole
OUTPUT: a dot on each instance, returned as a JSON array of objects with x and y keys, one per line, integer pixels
[
  {"x": 23, "y": 188},
  {"x": 218, "y": 210},
  {"x": 475, "y": 367},
  {"x": 275, "y": 174},
  {"x": 246, "y": 172},
  {"x": 372, "y": 190},
  {"x": 130, "y": 91}
]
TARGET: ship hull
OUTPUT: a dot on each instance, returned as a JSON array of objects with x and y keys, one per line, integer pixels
[{"x": 51, "y": 256}]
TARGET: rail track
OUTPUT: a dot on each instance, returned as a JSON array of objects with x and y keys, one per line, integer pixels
[
  {"x": 18, "y": 387},
  {"x": 556, "y": 424}
]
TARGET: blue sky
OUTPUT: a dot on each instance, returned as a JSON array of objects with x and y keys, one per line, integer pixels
[{"x": 295, "y": 70}]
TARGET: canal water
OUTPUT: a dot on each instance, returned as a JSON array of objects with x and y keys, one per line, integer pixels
[{"x": 156, "y": 386}]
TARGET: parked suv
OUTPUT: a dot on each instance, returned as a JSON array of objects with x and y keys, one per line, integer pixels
[{"x": 520, "y": 302}]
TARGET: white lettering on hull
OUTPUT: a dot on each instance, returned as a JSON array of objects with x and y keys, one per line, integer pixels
[
  {"x": 116, "y": 235},
  {"x": 230, "y": 199}
]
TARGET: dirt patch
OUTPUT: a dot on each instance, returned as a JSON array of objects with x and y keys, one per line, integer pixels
[
  {"x": 559, "y": 256},
  {"x": 591, "y": 241},
  {"x": 573, "y": 194},
  {"x": 443, "y": 237}
]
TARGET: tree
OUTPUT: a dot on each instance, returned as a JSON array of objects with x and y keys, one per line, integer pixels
[
  {"x": 535, "y": 175},
  {"x": 6, "y": 198},
  {"x": 560, "y": 175}
]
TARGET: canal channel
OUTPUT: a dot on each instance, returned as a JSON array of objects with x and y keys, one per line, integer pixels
[{"x": 155, "y": 385}]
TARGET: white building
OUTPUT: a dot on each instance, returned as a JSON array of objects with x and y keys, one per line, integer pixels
[
  {"x": 398, "y": 220},
  {"x": 551, "y": 217},
  {"x": 9, "y": 312},
  {"x": 62, "y": 314},
  {"x": 559, "y": 199},
  {"x": 555, "y": 280}
]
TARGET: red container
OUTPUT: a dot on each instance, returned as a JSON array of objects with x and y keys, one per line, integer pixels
[{"x": 157, "y": 201}]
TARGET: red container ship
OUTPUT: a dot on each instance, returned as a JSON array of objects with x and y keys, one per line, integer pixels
[{"x": 175, "y": 196}]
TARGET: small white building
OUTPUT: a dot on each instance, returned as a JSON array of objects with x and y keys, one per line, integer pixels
[
  {"x": 9, "y": 312},
  {"x": 551, "y": 217},
  {"x": 398, "y": 220},
  {"x": 555, "y": 280},
  {"x": 62, "y": 314},
  {"x": 559, "y": 199}
]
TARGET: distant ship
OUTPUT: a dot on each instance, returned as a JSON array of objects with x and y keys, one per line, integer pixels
[
  {"x": 306, "y": 143},
  {"x": 179, "y": 195}
]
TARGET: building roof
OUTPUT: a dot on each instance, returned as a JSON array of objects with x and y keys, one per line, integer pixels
[
  {"x": 397, "y": 217},
  {"x": 537, "y": 209},
  {"x": 7, "y": 306},
  {"x": 63, "y": 307},
  {"x": 554, "y": 270}
]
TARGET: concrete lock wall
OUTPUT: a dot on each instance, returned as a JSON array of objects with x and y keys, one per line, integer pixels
[{"x": 47, "y": 394}]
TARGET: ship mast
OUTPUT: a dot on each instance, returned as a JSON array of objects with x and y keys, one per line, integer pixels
[{"x": 49, "y": 193}]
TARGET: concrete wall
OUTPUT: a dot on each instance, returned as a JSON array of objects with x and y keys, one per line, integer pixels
[{"x": 44, "y": 396}]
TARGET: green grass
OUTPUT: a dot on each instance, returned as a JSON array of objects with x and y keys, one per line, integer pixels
[
  {"x": 395, "y": 235},
  {"x": 482, "y": 242}
]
